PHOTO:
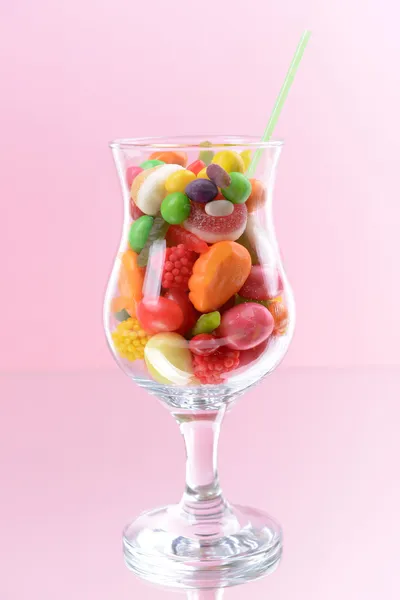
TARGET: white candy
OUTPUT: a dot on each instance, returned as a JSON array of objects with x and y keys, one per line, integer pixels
[
  {"x": 152, "y": 191},
  {"x": 219, "y": 208}
]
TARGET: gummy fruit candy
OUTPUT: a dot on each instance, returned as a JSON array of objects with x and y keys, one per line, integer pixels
[
  {"x": 177, "y": 235},
  {"x": 211, "y": 369},
  {"x": 130, "y": 339},
  {"x": 215, "y": 229},
  {"x": 159, "y": 315},
  {"x": 178, "y": 267}
]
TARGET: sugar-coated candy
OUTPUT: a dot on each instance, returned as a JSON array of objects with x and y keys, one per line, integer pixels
[
  {"x": 212, "y": 368},
  {"x": 130, "y": 339},
  {"x": 279, "y": 311},
  {"x": 169, "y": 359},
  {"x": 178, "y": 267},
  {"x": 257, "y": 196},
  {"x": 177, "y": 182},
  {"x": 246, "y": 157},
  {"x": 148, "y": 188},
  {"x": 177, "y": 235},
  {"x": 229, "y": 160},
  {"x": 149, "y": 164},
  {"x": 122, "y": 315},
  {"x": 159, "y": 314},
  {"x": 131, "y": 173},
  {"x": 238, "y": 190},
  {"x": 201, "y": 190},
  {"x": 196, "y": 166},
  {"x": 170, "y": 157},
  {"x": 190, "y": 314},
  {"x": 213, "y": 229},
  {"x": 246, "y": 325},
  {"x": 218, "y": 175},
  {"x": 218, "y": 274},
  {"x": 203, "y": 344},
  {"x": 263, "y": 283},
  {"x": 139, "y": 232},
  {"x": 175, "y": 208},
  {"x": 219, "y": 208},
  {"x": 207, "y": 323}
]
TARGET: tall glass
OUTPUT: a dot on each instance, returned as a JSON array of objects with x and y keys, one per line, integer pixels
[{"x": 198, "y": 309}]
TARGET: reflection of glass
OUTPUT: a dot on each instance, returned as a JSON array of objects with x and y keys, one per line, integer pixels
[{"x": 203, "y": 541}]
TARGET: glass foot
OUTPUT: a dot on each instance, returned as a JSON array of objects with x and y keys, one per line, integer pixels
[{"x": 225, "y": 546}]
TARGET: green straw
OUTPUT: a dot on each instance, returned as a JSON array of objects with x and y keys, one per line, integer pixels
[{"x": 280, "y": 101}]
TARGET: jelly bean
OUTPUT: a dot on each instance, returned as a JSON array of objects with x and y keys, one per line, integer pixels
[
  {"x": 148, "y": 189},
  {"x": 196, "y": 166},
  {"x": 139, "y": 232},
  {"x": 263, "y": 283},
  {"x": 201, "y": 190},
  {"x": 190, "y": 314},
  {"x": 177, "y": 182},
  {"x": 218, "y": 175},
  {"x": 206, "y": 155},
  {"x": 229, "y": 160},
  {"x": 175, "y": 208},
  {"x": 170, "y": 157},
  {"x": 203, "y": 344},
  {"x": 131, "y": 173},
  {"x": 149, "y": 164},
  {"x": 169, "y": 359},
  {"x": 257, "y": 197},
  {"x": 207, "y": 323},
  {"x": 246, "y": 325},
  {"x": 246, "y": 157},
  {"x": 203, "y": 174},
  {"x": 122, "y": 315},
  {"x": 218, "y": 274},
  {"x": 160, "y": 314},
  {"x": 239, "y": 189},
  {"x": 219, "y": 208},
  {"x": 177, "y": 235}
]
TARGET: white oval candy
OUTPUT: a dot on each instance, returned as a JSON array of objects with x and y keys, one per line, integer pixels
[
  {"x": 152, "y": 191},
  {"x": 219, "y": 208}
]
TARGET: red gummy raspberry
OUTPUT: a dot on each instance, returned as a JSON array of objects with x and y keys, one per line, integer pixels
[
  {"x": 203, "y": 344},
  {"x": 210, "y": 369},
  {"x": 178, "y": 267}
]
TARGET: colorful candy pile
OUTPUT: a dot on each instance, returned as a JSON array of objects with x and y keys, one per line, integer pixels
[{"x": 215, "y": 307}]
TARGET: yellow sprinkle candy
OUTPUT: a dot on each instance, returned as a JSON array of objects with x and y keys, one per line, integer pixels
[{"x": 129, "y": 339}]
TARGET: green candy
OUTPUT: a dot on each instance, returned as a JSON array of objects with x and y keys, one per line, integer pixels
[
  {"x": 139, "y": 232},
  {"x": 206, "y": 155},
  {"x": 239, "y": 189},
  {"x": 149, "y": 164},
  {"x": 122, "y": 315},
  {"x": 158, "y": 232},
  {"x": 175, "y": 208},
  {"x": 207, "y": 323}
]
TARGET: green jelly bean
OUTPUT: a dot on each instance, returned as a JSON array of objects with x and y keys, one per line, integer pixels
[
  {"x": 175, "y": 208},
  {"x": 139, "y": 232},
  {"x": 206, "y": 155},
  {"x": 122, "y": 315},
  {"x": 207, "y": 323},
  {"x": 149, "y": 164},
  {"x": 239, "y": 189},
  {"x": 158, "y": 232}
]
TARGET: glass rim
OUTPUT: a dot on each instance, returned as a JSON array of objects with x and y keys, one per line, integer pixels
[{"x": 190, "y": 142}]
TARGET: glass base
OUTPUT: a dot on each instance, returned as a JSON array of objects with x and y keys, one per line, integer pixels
[{"x": 226, "y": 546}]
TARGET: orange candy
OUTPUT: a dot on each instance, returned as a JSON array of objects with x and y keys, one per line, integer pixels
[
  {"x": 281, "y": 316},
  {"x": 130, "y": 283},
  {"x": 218, "y": 274},
  {"x": 170, "y": 157},
  {"x": 257, "y": 197}
]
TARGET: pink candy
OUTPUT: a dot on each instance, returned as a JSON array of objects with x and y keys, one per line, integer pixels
[
  {"x": 246, "y": 326},
  {"x": 216, "y": 229},
  {"x": 131, "y": 173},
  {"x": 263, "y": 283}
]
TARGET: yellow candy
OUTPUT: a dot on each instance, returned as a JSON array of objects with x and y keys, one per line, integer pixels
[
  {"x": 130, "y": 339},
  {"x": 246, "y": 157},
  {"x": 203, "y": 174},
  {"x": 177, "y": 182},
  {"x": 230, "y": 161},
  {"x": 168, "y": 359}
]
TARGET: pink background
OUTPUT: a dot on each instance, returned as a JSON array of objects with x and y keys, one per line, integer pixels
[{"x": 76, "y": 443}]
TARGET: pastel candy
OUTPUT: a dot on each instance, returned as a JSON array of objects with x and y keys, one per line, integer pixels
[
  {"x": 246, "y": 325},
  {"x": 148, "y": 189},
  {"x": 219, "y": 208},
  {"x": 168, "y": 359}
]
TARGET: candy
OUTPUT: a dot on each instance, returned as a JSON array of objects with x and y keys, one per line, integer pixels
[
  {"x": 244, "y": 241},
  {"x": 219, "y": 208},
  {"x": 257, "y": 196},
  {"x": 196, "y": 166},
  {"x": 175, "y": 208},
  {"x": 250, "y": 355},
  {"x": 122, "y": 315},
  {"x": 211, "y": 369},
  {"x": 215, "y": 229},
  {"x": 263, "y": 283},
  {"x": 246, "y": 157},
  {"x": 134, "y": 210},
  {"x": 130, "y": 281},
  {"x": 246, "y": 325},
  {"x": 160, "y": 314},
  {"x": 190, "y": 315},
  {"x": 258, "y": 240},
  {"x": 201, "y": 190},
  {"x": 169, "y": 359},
  {"x": 203, "y": 344},
  {"x": 281, "y": 316},
  {"x": 207, "y": 323},
  {"x": 139, "y": 232},
  {"x": 130, "y": 339},
  {"x": 218, "y": 274},
  {"x": 158, "y": 232},
  {"x": 148, "y": 189},
  {"x": 239, "y": 189},
  {"x": 149, "y": 164},
  {"x": 177, "y": 182},
  {"x": 177, "y": 235},
  {"x": 229, "y": 160},
  {"x": 170, "y": 157},
  {"x": 218, "y": 175},
  {"x": 131, "y": 173},
  {"x": 203, "y": 174},
  {"x": 178, "y": 267}
]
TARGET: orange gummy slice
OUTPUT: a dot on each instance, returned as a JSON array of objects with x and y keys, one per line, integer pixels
[
  {"x": 218, "y": 274},
  {"x": 130, "y": 283}
]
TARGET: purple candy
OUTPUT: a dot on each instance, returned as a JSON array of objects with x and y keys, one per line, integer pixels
[
  {"x": 201, "y": 190},
  {"x": 218, "y": 175}
]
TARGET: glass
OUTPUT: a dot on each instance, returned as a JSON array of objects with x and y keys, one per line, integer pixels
[{"x": 186, "y": 251}]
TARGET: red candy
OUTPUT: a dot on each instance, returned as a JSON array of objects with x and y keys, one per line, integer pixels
[
  {"x": 162, "y": 314},
  {"x": 263, "y": 283},
  {"x": 250, "y": 355},
  {"x": 131, "y": 173},
  {"x": 203, "y": 344},
  {"x": 216, "y": 229},
  {"x": 135, "y": 210},
  {"x": 190, "y": 314},
  {"x": 177, "y": 235},
  {"x": 178, "y": 267},
  {"x": 210, "y": 369},
  {"x": 196, "y": 166},
  {"x": 246, "y": 325}
]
